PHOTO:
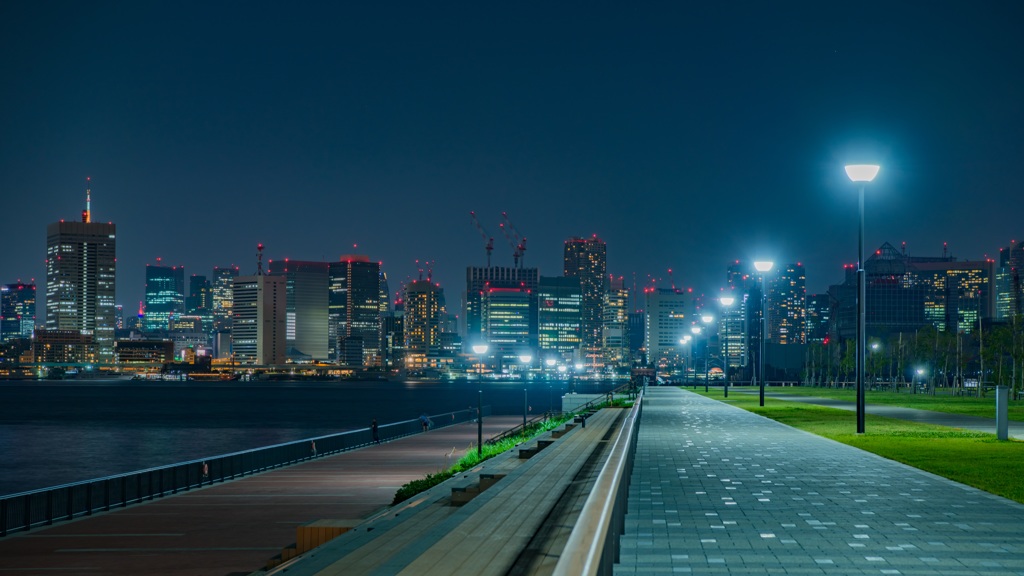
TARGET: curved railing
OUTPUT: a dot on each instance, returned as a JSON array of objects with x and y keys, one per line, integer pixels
[
  {"x": 593, "y": 545},
  {"x": 25, "y": 510}
]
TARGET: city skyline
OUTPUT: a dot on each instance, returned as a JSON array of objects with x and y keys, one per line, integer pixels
[{"x": 685, "y": 137}]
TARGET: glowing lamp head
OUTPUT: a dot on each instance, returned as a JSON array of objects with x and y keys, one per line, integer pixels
[
  {"x": 526, "y": 358},
  {"x": 726, "y": 300},
  {"x": 695, "y": 330},
  {"x": 550, "y": 361},
  {"x": 862, "y": 172},
  {"x": 764, "y": 265},
  {"x": 480, "y": 348},
  {"x": 579, "y": 367},
  {"x": 562, "y": 368},
  {"x": 707, "y": 318}
]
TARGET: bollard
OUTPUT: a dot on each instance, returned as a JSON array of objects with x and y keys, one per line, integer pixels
[{"x": 1002, "y": 421}]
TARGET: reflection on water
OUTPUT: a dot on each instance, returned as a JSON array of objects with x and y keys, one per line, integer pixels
[{"x": 58, "y": 432}]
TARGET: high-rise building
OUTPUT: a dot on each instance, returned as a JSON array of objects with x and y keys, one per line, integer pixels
[
  {"x": 956, "y": 293},
  {"x": 1010, "y": 281},
  {"x": 560, "y": 314},
  {"x": 258, "y": 320},
  {"x": 586, "y": 259},
  {"x": 305, "y": 309},
  {"x": 165, "y": 295},
  {"x": 17, "y": 311},
  {"x": 615, "y": 328},
  {"x": 354, "y": 310},
  {"x": 787, "y": 306},
  {"x": 422, "y": 322},
  {"x": 81, "y": 264},
  {"x": 819, "y": 310},
  {"x": 478, "y": 281},
  {"x": 200, "y": 301},
  {"x": 669, "y": 316},
  {"x": 732, "y": 329},
  {"x": 223, "y": 282},
  {"x": 508, "y": 314}
]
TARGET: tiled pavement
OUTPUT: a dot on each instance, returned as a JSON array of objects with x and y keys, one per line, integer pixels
[{"x": 718, "y": 490}]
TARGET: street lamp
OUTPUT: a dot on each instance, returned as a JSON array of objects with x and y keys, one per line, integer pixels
[
  {"x": 726, "y": 302},
  {"x": 693, "y": 353},
  {"x": 684, "y": 341},
  {"x": 861, "y": 174},
  {"x": 707, "y": 319},
  {"x": 763, "y": 267}
]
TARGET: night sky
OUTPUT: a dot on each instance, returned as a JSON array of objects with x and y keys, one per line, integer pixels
[{"x": 685, "y": 134}]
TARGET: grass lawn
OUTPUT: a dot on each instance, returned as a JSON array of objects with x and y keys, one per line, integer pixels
[
  {"x": 973, "y": 458},
  {"x": 967, "y": 405}
]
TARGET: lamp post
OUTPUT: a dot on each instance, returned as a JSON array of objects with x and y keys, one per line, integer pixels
[
  {"x": 762, "y": 266},
  {"x": 707, "y": 319},
  {"x": 693, "y": 354},
  {"x": 861, "y": 174},
  {"x": 684, "y": 341},
  {"x": 726, "y": 302}
]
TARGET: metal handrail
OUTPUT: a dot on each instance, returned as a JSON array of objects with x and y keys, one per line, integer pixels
[
  {"x": 25, "y": 510},
  {"x": 593, "y": 545}
]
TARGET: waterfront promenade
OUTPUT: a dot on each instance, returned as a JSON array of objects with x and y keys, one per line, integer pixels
[
  {"x": 718, "y": 490},
  {"x": 234, "y": 528}
]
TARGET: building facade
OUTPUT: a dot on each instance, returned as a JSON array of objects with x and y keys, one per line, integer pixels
[
  {"x": 17, "y": 311},
  {"x": 615, "y": 325},
  {"x": 306, "y": 308},
  {"x": 354, "y": 311},
  {"x": 586, "y": 259},
  {"x": 422, "y": 323},
  {"x": 787, "y": 306},
  {"x": 81, "y": 273},
  {"x": 560, "y": 315},
  {"x": 669, "y": 317},
  {"x": 165, "y": 295},
  {"x": 258, "y": 320}
]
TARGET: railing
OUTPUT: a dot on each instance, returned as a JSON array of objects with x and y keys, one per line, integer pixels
[
  {"x": 593, "y": 545},
  {"x": 26, "y": 510},
  {"x": 625, "y": 388}
]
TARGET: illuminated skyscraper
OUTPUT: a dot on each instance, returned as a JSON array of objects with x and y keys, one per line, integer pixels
[
  {"x": 354, "y": 311},
  {"x": 165, "y": 295},
  {"x": 223, "y": 280},
  {"x": 615, "y": 328},
  {"x": 586, "y": 259},
  {"x": 200, "y": 301},
  {"x": 422, "y": 316},
  {"x": 306, "y": 308},
  {"x": 508, "y": 313},
  {"x": 17, "y": 311},
  {"x": 787, "y": 306},
  {"x": 1009, "y": 281},
  {"x": 81, "y": 262},
  {"x": 478, "y": 281},
  {"x": 669, "y": 317},
  {"x": 258, "y": 320},
  {"x": 560, "y": 314},
  {"x": 818, "y": 314},
  {"x": 956, "y": 293}
]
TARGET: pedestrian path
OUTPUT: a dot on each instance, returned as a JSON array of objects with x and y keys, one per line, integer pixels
[
  {"x": 719, "y": 490},
  {"x": 988, "y": 425},
  {"x": 236, "y": 527}
]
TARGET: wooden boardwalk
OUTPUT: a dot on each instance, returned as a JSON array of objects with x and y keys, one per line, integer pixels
[{"x": 236, "y": 527}]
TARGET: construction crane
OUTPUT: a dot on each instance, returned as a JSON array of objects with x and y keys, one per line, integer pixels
[
  {"x": 517, "y": 242},
  {"x": 488, "y": 240}
]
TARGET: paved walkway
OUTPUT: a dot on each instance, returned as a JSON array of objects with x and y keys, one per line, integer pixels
[
  {"x": 1015, "y": 429},
  {"x": 236, "y": 527},
  {"x": 718, "y": 490}
]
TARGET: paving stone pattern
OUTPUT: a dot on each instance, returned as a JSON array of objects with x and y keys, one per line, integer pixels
[{"x": 719, "y": 490}]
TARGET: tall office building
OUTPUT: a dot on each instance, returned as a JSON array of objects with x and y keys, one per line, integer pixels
[
  {"x": 165, "y": 295},
  {"x": 17, "y": 311},
  {"x": 1009, "y": 298},
  {"x": 478, "y": 281},
  {"x": 732, "y": 329},
  {"x": 669, "y": 316},
  {"x": 223, "y": 282},
  {"x": 586, "y": 259},
  {"x": 615, "y": 327},
  {"x": 956, "y": 293},
  {"x": 305, "y": 308},
  {"x": 560, "y": 315},
  {"x": 81, "y": 264},
  {"x": 258, "y": 320},
  {"x": 509, "y": 316},
  {"x": 819, "y": 310},
  {"x": 354, "y": 311},
  {"x": 200, "y": 301},
  {"x": 422, "y": 322},
  {"x": 787, "y": 306}
]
